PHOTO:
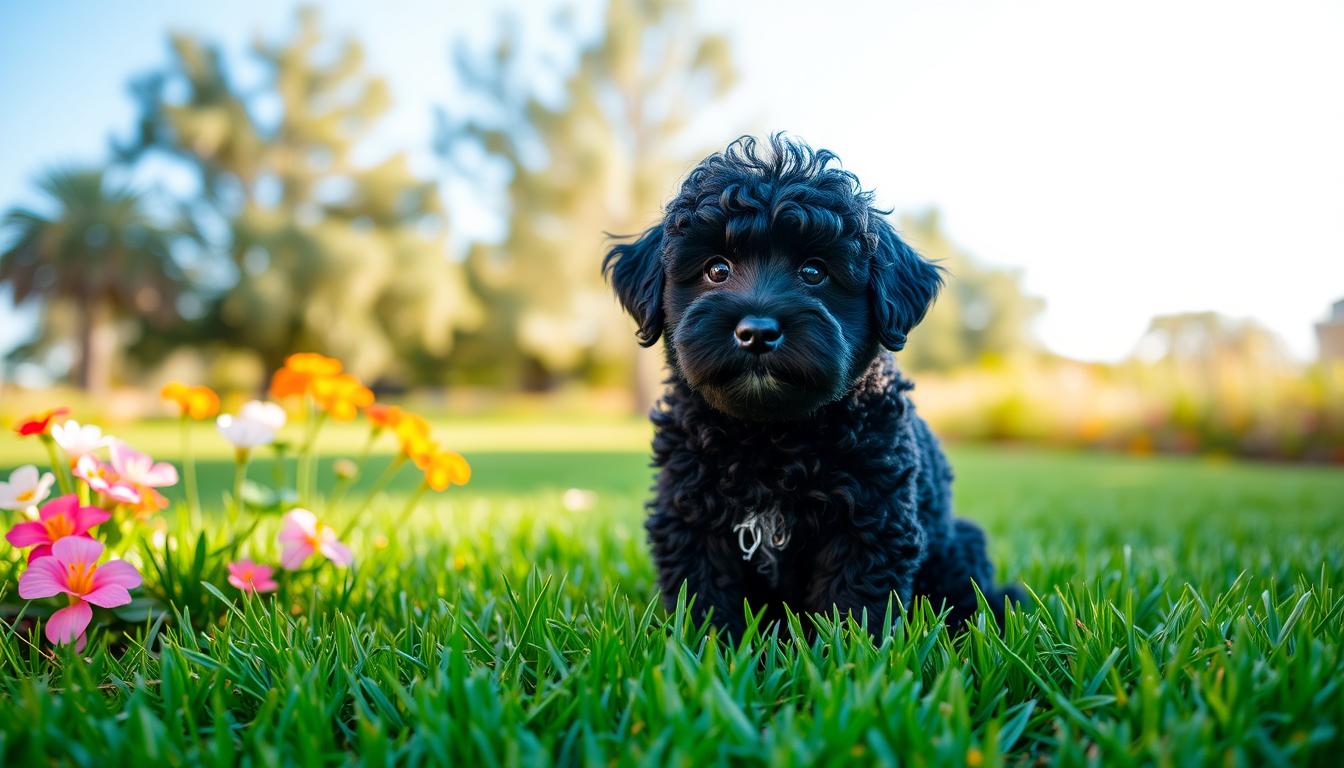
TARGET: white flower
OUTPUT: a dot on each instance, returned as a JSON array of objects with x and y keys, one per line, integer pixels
[
  {"x": 26, "y": 488},
  {"x": 256, "y": 424},
  {"x": 269, "y": 414},
  {"x": 77, "y": 440}
]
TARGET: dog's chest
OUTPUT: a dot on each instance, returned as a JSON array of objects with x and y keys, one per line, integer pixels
[{"x": 777, "y": 498}]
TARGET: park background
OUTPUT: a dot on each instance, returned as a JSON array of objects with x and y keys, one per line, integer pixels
[
  {"x": 1143, "y": 245},
  {"x": 1137, "y": 364}
]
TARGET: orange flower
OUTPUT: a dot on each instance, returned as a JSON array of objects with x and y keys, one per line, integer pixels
[
  {"x": 445, "y": 468},
  {"x": 341, "y": 396},
  {"x": 383, "y": 416},
  {"x": 301, "y": 370},
  {"x": 413, "y": 434},
  {"x": 38, "y": 423},
  {"x": 151, "y": 502},
  {"x": 198, "y": 402}
]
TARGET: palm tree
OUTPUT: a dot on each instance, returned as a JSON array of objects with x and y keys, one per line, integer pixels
[{"x": 99, "y": 254}]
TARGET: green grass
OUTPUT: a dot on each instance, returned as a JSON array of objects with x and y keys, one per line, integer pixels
[{"x": 1185, "y": 612}]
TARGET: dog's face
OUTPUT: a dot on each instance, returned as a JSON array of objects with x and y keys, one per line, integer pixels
[{"x": 774, "y": 279}]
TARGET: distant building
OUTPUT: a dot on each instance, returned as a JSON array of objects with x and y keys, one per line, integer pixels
[{"x": 1330, "y": 334}]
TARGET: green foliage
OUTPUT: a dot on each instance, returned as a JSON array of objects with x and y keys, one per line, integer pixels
[
  {"x": 1198, "y": 383},
  {"x": 1186, "y": 613},
  {"x": 98, "y": 260},
  {"x": 600, "y": 160},
  {"x": 319, "y": 252}
]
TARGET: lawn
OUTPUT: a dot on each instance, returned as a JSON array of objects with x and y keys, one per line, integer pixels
[{"x": 1185, "y": 612}]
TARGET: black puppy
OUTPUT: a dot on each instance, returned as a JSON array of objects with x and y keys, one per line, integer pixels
[{"x": 793, "y": 467}]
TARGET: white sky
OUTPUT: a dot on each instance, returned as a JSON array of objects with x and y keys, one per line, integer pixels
[{"x": 1131, "y": 158}]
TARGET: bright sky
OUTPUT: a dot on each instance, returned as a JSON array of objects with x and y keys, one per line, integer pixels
[{"x": 1131, "y": 158}]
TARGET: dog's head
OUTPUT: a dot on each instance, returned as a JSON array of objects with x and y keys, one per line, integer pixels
[{"x": 774, "y": 279}]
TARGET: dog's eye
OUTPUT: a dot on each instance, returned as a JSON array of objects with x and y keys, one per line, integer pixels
[
  {"x": 718, "y": 270},
  {"x": 813, "y": 272}
]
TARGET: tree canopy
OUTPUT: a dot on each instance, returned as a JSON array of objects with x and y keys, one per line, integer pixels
[
  {"x": 95, "y": 261},
  {"x": 320, "y": 252},
  {"x": 600, "y": 159}
]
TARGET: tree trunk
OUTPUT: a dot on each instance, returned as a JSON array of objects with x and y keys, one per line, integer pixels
[{"x": 97, "y": 345}]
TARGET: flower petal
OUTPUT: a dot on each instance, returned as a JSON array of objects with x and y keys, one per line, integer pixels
[
  {"x": 67, "y": 624},
  {"x": 294, "y": 553},
  {"x": 337, "y": 552},
  {"x": 77, "y": 549},
  {"x": 160, "y": 475},
  {"x": 43, "y": 487},
  {"x": 299, "y": 525},
  {"x": 61, "y": 505},
  {"x": 45, "y": 577},
  {"x": 130, "y": 463},
  {"x": 27, "y": 534},
  {"x": 87, "y": 517},
  {"x": 87, "y": 468},
  {"x": 109, "y": 595},
  {"x": 24, "y": 477},
  {"x": 41, "y": 550},
  {"x": 116, "y": 573},
  {"x": 123, "y": 493},
  {"x": 268, "y": 414}
]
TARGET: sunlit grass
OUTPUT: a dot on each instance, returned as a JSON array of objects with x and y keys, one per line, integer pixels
[{"x": 1186, "y": 610}]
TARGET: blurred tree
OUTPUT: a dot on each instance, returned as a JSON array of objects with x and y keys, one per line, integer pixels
[
  {"x": 983, "y": 314},
  {"x": 1224, "y": 377},
  {"x": 321, "y": 253},
  {"x": 99, "y": 258},
  {"x": 602, "y": 159},
  {"x": 1207, "y": 340}
]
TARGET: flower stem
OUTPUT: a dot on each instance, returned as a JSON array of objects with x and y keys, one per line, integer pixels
[
  {"x": 345, "y": 486},
  {"x": 378, "y": 486},
  {"x": 410, "y": 503},
  {"x": 308, "y": 483},
  {"x": 189, "y": 471},
  {"x": 58, "y": 466},
  {"x": 239, "y": 475}
]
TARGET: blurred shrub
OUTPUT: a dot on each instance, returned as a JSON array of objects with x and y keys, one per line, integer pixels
[{"x": 1140, "y": 407}]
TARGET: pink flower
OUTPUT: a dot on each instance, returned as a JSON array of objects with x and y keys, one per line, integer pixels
[
  {"x": 135, "y": 468},
  {"x": 301, "y": 535},
  {"x": 72, "y": 569},
  {"x": 251, "y": 577},
  {"x": 62, "y": 517},
  {"x": 102, "y": 478}
]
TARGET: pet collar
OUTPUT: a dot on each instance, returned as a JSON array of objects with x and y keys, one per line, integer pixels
[{"x": 766, "y": 532}]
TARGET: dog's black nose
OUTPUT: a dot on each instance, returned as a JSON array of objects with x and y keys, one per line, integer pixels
[{"x": 758, "y": 334}]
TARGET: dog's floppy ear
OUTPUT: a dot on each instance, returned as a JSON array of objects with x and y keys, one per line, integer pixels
[
  {"x": 902, "y": 284},
  {"x": 636, "y": 274}
]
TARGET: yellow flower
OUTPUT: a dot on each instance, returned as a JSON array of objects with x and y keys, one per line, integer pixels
[
  {"x": 444, "y": 468},
  {"x": 341, "y": 396},
  {"x": 413, "y": 433},
  {"x": 197, "y": 402}
]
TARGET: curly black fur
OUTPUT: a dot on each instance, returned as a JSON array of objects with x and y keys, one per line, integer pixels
[{"x": 816, "y": 437}]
